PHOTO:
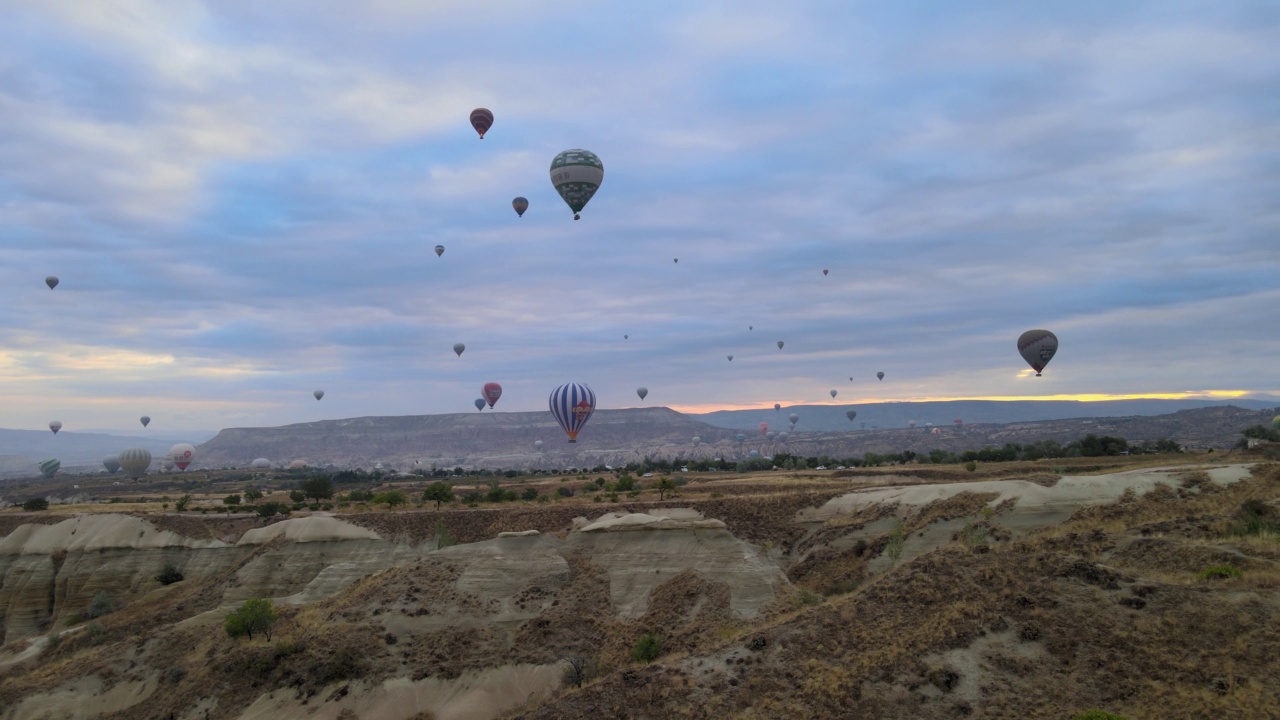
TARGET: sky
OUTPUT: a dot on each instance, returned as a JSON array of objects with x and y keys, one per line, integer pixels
[{"x": 241, "y": 201}]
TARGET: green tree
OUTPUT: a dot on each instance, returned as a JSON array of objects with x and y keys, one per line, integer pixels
[
  {"x": 320, "y": 488},
  {"x": 255, "y": 615},
  {"x": 181, "y": 505},
  {"x": 35, "y": 504},
  {"x": 231, "y": 500},
  {"x": 297, "y": 496},
  {"x": 392, "y": 498},
  {"x": 530, "y": 493},
  {"x": 252, "y": 494},
  {"x": 440, "y": 492},
  {"x": 663, "y": 486}
]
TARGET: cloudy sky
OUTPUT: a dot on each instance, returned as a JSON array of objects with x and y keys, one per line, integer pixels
[{"x": 241, "y": 200}]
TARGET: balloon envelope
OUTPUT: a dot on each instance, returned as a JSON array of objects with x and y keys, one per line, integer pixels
[
  {"x": 576, "y": 175},
  {"x": 145, "y": 420},
  {"x": 537, "y": 444},
  {"x": 770, "y": 435},
  {"x": 481, "y": 120},
  {"x": 779, "y": 344},
  {"x": 794, "y": 418},
  {"x": 572, "y": 404},
  {"x": 458, "y": 348},
  {"x": 833, "y": 393},
  {"x": 520, "y": 205},
  {"x": 479, "y": 403},
  {"x": 824, "y": 271},
  {"x": 777, "y": 406},
  {"x": 763, "y": 428},
  {"x": 51, "y": 281},
  {"x": 696, "y": 440},
  {"x": 851, "y": 414},
  {"x": 754, "y": 453},
  {"x": 740, "y": 437},
  {"x": 49, "y": 467},
  {"x": 439, "y": 250},
  {"x": 260, "y": 463},
  {"x": 491, "y": 392},
  {"x": 55, "y": 426},
  {"x": 642, "y": 392},
  {"x": 135, "y": 462},
  {"x": 111, "y": 463},
  {"x": 317, "y": 394},
  {"x": 182, "y": 454},
  {"x": 730, "y": 358},
  {"x": 1037, "y": 347},
  {"x": 880, "y": 376}
]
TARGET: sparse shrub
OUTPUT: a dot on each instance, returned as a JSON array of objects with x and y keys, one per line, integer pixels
[
  {"x": 1097, "y": 715},
  {"x": 647, "y": 648},
  {"x": 471, "y": 497},
  {"x": 169, "y": 575},
  {"x": 625, "y": 483},
  {"x": 598, "y": 498},
  {"x": 174, "y": 675},
  {"x": 530, "y": 493},
  {"x": 897, "y": 537},
  {"x": 53, "y": 642},
  {"x": 971, "y": 466},
  {"x": 255, "y": 615},
  {"x": 297, "y": 496},
  {"x": 95, "y": 632},
  {"x": 581, "y": 668},
  {"x": 444, "y": 538},
  {"x": 231, "y": 500},
  {"x": 1219, "y": 572},
  {"x": 973, "y": 536},
  {"x": 806, "y": 597},
  {"x": 717, "y": 495},
  {"x": 544, "y": 498},
  {"x": 345, "y": 664},
  {"x": 35, "y": 505},
  {"x": 99, "y": 606},
  {"x": 252, "y": 495},
  {"x": 564, "y": 492}
]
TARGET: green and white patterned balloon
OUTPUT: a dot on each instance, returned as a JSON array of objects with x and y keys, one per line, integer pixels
[
  {"x": 49, "y": 467},
  {"x": 576, "y": 175}
]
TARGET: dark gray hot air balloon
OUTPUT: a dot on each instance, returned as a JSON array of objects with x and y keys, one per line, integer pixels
[
  {"x": 777, "y": 406},
  {"x": 770, "y": 435},
  {"x": 730, "y": 358},
  {"x": 880, "y": 375},
  {"x": 51, "y": 281},
  {"x": 851, "y": 414},
  {"x": 439, "y": 250},
  {"x": 145, "y": 420},
  {"x": 780, "y": 344},
  {"x": 317, "y": 394},
  {"x": 642, "y": 392},
  {"x": 111, "y": 463},
  {"x": 1037, "y": 347},
  {"x": 458, "y": 348},
  {"x": 479, "y": 403},
  {"x": 833, "y": 393}
]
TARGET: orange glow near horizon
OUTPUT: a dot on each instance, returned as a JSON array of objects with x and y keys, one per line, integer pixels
[{"x": 1084, "y": 397}]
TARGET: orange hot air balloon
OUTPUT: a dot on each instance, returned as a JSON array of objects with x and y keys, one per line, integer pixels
[
  {"x": 491, "y": 392},
  {"x": 764, "y": 428},
  {"x": 481, "y": 120}
]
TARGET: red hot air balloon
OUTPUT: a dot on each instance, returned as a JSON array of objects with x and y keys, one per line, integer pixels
[
  {"x": 764, "y": 428},
  {"x": 492, "y": 391},
  {"x": 481, "y": 120}
]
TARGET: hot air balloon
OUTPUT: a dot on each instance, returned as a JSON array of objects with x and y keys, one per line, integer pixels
[
  {"x": 851, "y": 414},
  {"x": 833, "y": 394},
  {"x": 696, "y": 440},
  {"x": 491, "y": 392},
  {"x": 740, "y": 437},
  {"x": 770, "y": 435},
  {"x": 458, "y": 348},
  {"x": 481, "y": 120},
  {"x": 537, "y": 444},
  {"x": 850, "y": 379},
  {"x": 111, "y": 463},
  {"x": 911, "y": 424},
  {"x": 51, "y": 281},
  {"x": 782, "y": 436},
  {"x": 135, "y": 462},
  {"x": 520, "y": 205},
  {"x": 439, "y": 250},
  {"x": 958, "y": 422},
  {"x": 751, "y": 327},
  {"x": 626, "y": 337},
  {"x": 298, "y": 465},
  {"x": 1037, "y": 347},
  {"x": 763, "y": 428},
  {"x": 576, "y": 175},
  {"x": 317, "y": 394},
  {"x": 777, "y": 406},
  {"x": 794, "y": 418},
  {"x": 260, "y": 464},
  {"x": 642, "y": 392},
  {"x": 49, "y": 467},
  {"x": 730, "y": 358},
  {"x": 677, "y": 261},
  {"x": 479, "y": 403},
  {"x": 754, "y": 454},
  {"x": 779, "y": 344},
  {"x": 145, "y": 420},
  {"x": 824, "y": 271},
  {"x": 182, "y": 454},
  {"x": 571, "y": 405},
  {"x": 880, "y": 375},
  {"x": 55, "y": 426},
  {"x": 936, "y": 431}
]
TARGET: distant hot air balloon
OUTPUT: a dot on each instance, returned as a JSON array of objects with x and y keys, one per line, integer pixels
[
  {"x": 491, "y": 392},
  {"x": 1037, "y": 347},
  {"x": 754, "y": 454},
  {"x": 880, "y": 375},
  {"x": 642, "y": 392},
  {"x": 55, "y": 426},
  {"x": 782, "y": 436},
  {"x": 576, "y": 175},
  {"x": 740, "y": 437},
  {"x": 260, "y": 464},
  {"x": 479, "y": 403},
  {"x": 439, "y": 250},
  {"x": 936, "y": 431},
  {"x": 770, "y": 435},
  {"x": 777, "y": 406},
  {"x": 730, "y": 358},
  {"x": 751, "y": 327},
  {"x": 911, "y": 424},
  {"x": 850, "y": 379},
  {"x": 51, "y": 281},
  {"x": 182, "y": 454},
  {"x": 537, "y": 444},
  {"x": 794, "y": 418},
  {"x": 958, "y": 422},
  {"x": 824, "y": 271},
  {"x": 571, "y": 405},
  {"x": 135, "y": 462},
  {"x": 520, "y": 205},
  {"x": 677, "y": 261},
  {"x": 481, "y": 120},
  {"x": 458, "y": 348},
  {"x": 851, "y": 414},
  {"x": 145, "y": 420},
  {"x": 763, "y": 428},
  {"x": 317, "y": 394},
  {"x": 49, "y": 467},
  {"x": 779, "y": 344},
  {"x": 626, "y": 337},
  {"x": 833, "y": 393},
  {"x": 111, "y": 463},
  {"x": 696, "y": 440}
]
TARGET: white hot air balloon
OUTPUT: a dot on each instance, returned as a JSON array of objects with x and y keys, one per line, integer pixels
[
  {"x": 135, "y": 462},
  {"x": 181, "y": 455}
]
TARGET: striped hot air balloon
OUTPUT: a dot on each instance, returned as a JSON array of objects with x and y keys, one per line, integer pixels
[
  {"x": 481, "y": 120},
  {"x": 576, "y": 175},
  {"x": 572, "y": 405},
  {"x": 49, "y": 467},
  {"x": 135, "y": 462}
]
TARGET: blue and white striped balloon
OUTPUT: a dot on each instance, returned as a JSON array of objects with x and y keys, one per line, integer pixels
[{"x": 572, "y": 404}]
